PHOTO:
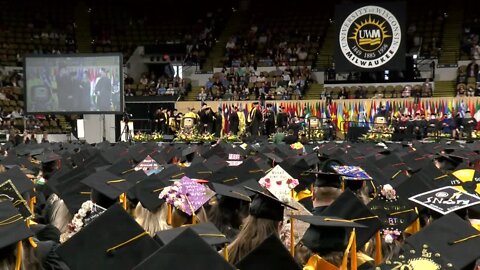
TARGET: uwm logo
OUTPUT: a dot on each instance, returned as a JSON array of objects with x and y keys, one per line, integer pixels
[{"x": 370, "y": 37}]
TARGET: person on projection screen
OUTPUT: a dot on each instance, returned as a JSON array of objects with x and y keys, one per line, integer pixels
[{"x": 103, "y": 90}]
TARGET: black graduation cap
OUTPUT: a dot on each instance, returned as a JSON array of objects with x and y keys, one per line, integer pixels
[
  {"x": 328, "y": 180},
  {"x": 270, "y": 254},
  {"x": 148, "y": 190},
  {"x": 72, "y": 192},
  {"x": 107, "y": 184},
  {"x": 111, "y": 241},
  {"x": 19, "y": 179},
  {"x": 215, "y": 163},
  {"x": 348, "y": 206},
  {"x": 267, "y": 206},
  {"x": 8, "y": 191},
  {"x": 396, "y": 212},
  {"x": 251, "y": 184},
  {"x": 46, "y": 157},
  {"x": 114, "y": 153},
  {"x": 186, "y": 251},
  {"x": 231, "y": 191},
  {"x": 12, "y": 225},
  {"x": 207, "y": 231},
  {"x": 449, "y": 238},
  {"x": 326, "y": 233},
  {"x": 138, "y": 152},
  {"x": 121, "y": 167},
  {"x": 198, "y": 171},
  {"x": 273, "y": 157}
]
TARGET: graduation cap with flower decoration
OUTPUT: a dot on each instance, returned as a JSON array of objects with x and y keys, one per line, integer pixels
[{"x": 187, "y": 195}]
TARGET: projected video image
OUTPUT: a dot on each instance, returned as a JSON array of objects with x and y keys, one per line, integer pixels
[{"x": 89, "y": 84}]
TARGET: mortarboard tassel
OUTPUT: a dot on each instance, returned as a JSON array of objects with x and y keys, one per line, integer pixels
[
  {"x": 123, "y": 200},
  {"x": 18, "y": 261},
  {"x": 378, "y": 248},
  {"x": 415, "y": 227},
  {"x": 30, "y": 239},
  {"x": 292, "y": 237},
  {"x": 316, "y": 262},
  {"x": 169, "y": 214},
  {"x": 352, "y": 248},
  {"x": 225, "y": 253}
]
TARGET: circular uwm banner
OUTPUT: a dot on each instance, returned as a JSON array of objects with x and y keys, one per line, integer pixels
[{"x": 370, "y": 37}]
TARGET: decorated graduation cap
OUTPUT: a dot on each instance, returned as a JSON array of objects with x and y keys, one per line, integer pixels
[
  {"x": 265, "y": 205},
  {"x": 395, "y": 212},
  {"x": 353, "y": 177},
  {"x": 270, "y": 254},
  {"x": 9, "y": 192},
  {"x": 12, "y": 227},
  {"x": 348, "y": 206},
  {"x": 207, "y": 231},
  {"x": 149, "y": 166},
  {"x": 186, "y": 251},
  {"x": 279, "y": 182},
  {"x": 449, "y": 242},
  {"x": 112, "y": 241},
  {"x": 186, "y": 195},
  {"x": 19, "y": 179}
]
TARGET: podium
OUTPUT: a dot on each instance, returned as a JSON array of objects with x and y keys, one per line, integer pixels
[{"x": 124, "y": 137}]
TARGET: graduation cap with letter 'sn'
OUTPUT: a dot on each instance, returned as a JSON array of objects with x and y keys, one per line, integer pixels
[
  {"x": 186, "y": 251},
  {"x": 114, "y": 240}
]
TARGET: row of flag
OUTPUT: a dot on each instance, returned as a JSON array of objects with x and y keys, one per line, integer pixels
[{"x": 363, "y": 111}]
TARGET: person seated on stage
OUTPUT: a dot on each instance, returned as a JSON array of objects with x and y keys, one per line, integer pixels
[
  {"x": 448, "y": 124},
  {"x": 279, "y": 137},
  {"x": 433, "y": 124}
]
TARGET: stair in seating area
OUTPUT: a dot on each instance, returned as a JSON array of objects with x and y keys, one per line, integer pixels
[
  {"x": 83, "y": 31},
  {"x": 215, "y": 59},
  {"x": 325, "y": 54},
  {"x": 444, "y": 89},
  {"x": 192, "y": 95},
  {"x": 451, "y": 35},
  {"x": 314, "y": 91}
]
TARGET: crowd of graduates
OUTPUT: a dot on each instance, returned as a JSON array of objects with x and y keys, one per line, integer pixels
[{"x": 334, "y": 205}]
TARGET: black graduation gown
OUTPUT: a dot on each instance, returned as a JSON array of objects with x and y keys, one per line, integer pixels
[
  {"x": 234, "y": 122},
  {"x": 317, "y": 211},
  {"x": 270, "y": 122},
  {"x": 433, "y": 126},
  {"x": 104, "y": 91},
  {"x": 218, "y": 124},
  {"x": 162, "y": 122},
  {"x": 45, "y": 253},
  {"x": 256, "y": 117},
  {"x": 469, "y": 124},
  {"x": 282, "y": 119}
]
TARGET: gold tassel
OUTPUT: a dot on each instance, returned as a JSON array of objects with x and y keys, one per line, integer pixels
[
  {"x": 194, "y": 219},
  {"x": 378, "y": 249},
  {"x": 169, "y": 214},
  {"x": 30, "y": 239},
  {"x": 415, "y": 227},
  {"x": 352, "y": 248},
  {"x": 18, "y": 261},
  {"x": 292, "y": 238},
  {"x": 225, "y": 252},
  {"x": 343, "y": 184},
  {"x": 123, "y": 200}
]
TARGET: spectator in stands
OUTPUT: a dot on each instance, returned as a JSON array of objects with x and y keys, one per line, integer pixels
[
  {"x": 475, "y": 51},
  {"x": 17, "y": 113},
  {"x": 128, "y": 80},
  {"x": 343, "y": 94},
  {"x": 472, "y": 69},
  {"x": 202, "y": 96},
  {"x": 407, "y": 91},
  {"x": 143, "y": 80},
  {"x": 461, "y": 90},
  {"x": 170, "y": 90},
  {"x": 302, "y": 54},
  {"x": 470, "y": 91},
  {"x": 427, "y": 88},
  {"x": 129, "y": 91},
  {"x": 161, "y": 90}
]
